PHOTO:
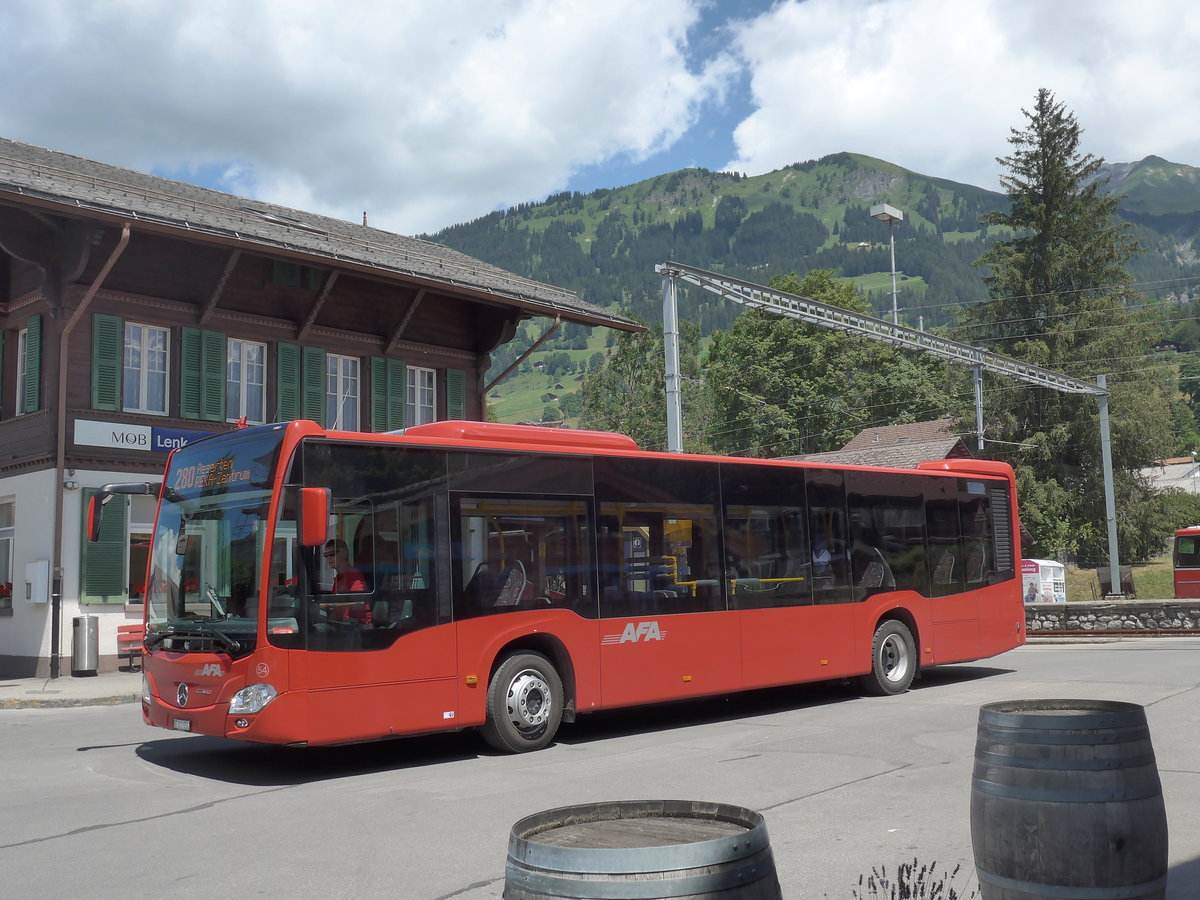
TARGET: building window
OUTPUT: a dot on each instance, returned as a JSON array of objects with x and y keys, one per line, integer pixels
[
  {"x": 22, "y": 369},
  {"x": 28, "y": 367},
  {"x": 145, "y": 373},
  {"x": 141, "y": 524},
  {"x": 245, "y": 381},
  {"x": 6, "y": 556},
  {"x": 341, "y": 392},
  {"x": 422, "y": 396}
]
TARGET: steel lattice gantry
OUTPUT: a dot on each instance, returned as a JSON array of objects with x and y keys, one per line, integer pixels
[{"x": 793, "y": 306}]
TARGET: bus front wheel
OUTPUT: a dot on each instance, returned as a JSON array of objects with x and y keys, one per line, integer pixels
[
  {"x": 893, "y": 660},
  {"x": 524, "y": 704}
]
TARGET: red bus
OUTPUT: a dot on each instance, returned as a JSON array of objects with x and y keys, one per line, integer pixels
[
  {"x": 311, "y": 587},
  {"x": 1186, "y": 558}
]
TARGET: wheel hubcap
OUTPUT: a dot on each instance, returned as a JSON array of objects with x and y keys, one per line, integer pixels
[
  {"x": 893, "y": 656},
  {"x": 529, "y": 701}
]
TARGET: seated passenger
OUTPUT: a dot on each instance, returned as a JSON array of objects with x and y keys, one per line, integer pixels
[{"x": 347, "y": 580}]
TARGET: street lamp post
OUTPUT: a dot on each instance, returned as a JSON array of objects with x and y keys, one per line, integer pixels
[{"x": 891, "y": 215}]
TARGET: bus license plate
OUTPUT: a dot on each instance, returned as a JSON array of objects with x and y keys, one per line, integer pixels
[{"x": 181, "y": 724}]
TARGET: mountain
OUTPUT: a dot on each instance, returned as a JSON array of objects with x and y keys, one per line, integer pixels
[
  {"x": 1164, "y": 197},
  {"x": 810, "y": 215}
]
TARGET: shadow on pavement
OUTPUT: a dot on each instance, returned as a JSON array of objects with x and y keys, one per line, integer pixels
[
  {"x": 1183, "y": 880},
  {"x": 236, "y": 762}
]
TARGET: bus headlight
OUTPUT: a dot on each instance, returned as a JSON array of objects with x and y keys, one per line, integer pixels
[
  {"x": 252, "y": 699},
  {"x": 145, "y": 689}
]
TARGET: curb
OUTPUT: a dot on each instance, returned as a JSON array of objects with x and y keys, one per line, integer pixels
[{"x": 65, "y": 702}]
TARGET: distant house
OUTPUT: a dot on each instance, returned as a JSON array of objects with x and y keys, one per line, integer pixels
[
  {"x": 1180, "y": 473},
  {"x": 898, "y": 446}
]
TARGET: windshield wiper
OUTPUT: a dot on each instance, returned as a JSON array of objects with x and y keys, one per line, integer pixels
[
  {"x": 215, "y": 601},
  {"x": 228, "y": 644}
]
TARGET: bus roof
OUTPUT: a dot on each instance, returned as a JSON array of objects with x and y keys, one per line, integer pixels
[{"x": 535, "y": 438}]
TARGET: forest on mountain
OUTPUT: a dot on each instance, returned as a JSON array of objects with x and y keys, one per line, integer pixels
[{"x": 1113, "y": 293}]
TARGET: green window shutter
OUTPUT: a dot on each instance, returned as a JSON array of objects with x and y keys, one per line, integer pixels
[
  {"x": 33, "y": 363},
  {"x": 202, "y": 385},
  {"x": 102, "y": 563},
  {"x": 312, "y": 385},
  {"x": 397, "y": 379},
  {"x": 456, "y": 394},
  {"x": 379, "y": 394},
  {"x": 190, "y": 375},
  {"x": 212, "y": 367},
  {"x": 387, "y": 393},
  {"x": 108, "y": 346},
  {"x": 287, "y": 389}
]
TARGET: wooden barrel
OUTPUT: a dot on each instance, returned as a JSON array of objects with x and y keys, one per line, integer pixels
[
  {"x": 1066, "y": 802},
  {"x": 641, "y": 850}
]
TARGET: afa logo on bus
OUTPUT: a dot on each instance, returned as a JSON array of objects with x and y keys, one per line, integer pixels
[{"x": 634, "y": 632}]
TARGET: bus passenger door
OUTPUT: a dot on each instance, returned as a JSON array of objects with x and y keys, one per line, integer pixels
[{"x": 381, "y": 656}]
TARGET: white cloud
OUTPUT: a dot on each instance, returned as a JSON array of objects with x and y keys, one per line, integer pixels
[
  {"x": 425, "y": 114},
  {"x": 422, "y": 114},
  {"x": 936, "y": 85}
]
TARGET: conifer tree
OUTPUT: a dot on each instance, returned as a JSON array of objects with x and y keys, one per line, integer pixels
[{"x": 1061, "y": 298}]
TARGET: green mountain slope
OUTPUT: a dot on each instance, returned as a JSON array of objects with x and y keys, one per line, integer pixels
[{"x": 810, "y": 215}]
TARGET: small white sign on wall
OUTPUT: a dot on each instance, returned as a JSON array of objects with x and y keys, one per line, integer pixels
[
  {"x": 113, "y": 434},
  {"x": 37, "y": 581}
]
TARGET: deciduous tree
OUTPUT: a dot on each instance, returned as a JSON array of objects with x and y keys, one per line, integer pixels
[{"x": 780, "y": 387}]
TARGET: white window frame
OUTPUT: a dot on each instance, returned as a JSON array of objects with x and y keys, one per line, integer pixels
[
  {"x": 237, "y": 384},
  {"x": 341, "y": 392},
  {"x": 420, "y": 405},
  {"x": 144, "y": 374},
  {"x": 22, "y": 369},
  {"x": 140, "y": 525}
]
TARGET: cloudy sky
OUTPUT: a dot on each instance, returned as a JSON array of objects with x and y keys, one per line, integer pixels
[{"x": 426, "y": 113}]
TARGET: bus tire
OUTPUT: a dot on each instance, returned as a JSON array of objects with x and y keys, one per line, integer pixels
[
  {"x": 893, "y": 660},
  {"x": 524, "y": 704}
]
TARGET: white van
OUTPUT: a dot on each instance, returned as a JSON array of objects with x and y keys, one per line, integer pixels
[{"x": 1043, "y": 581}]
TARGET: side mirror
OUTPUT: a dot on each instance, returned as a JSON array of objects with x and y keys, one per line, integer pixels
[
  {"x": 93, "y": 518},
  {"x": 99, "y": 499},
  {"x": 314, "y": 516}
]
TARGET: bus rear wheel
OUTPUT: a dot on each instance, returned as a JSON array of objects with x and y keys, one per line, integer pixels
[
  {"x": 893, "y": 660},
  {"x": 524, "y": 704}
]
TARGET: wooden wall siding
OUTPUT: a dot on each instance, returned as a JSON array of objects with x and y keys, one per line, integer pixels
[
  {"x": 25, "y": 278},
  {"x": 26, "y": 439},
  {"x": 158, "y": 267}
]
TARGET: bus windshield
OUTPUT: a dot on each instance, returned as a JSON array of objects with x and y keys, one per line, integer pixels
[{"x": 212, "y": 518}]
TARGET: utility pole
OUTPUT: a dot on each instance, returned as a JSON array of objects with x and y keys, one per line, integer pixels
[{"x": 891, "y": 215}]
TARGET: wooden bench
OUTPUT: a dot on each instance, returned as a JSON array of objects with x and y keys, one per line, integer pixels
[{"x": 129, "y": 643}]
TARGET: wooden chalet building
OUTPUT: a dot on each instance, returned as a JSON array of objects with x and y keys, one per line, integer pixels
[{"x": 139, "y": 313}]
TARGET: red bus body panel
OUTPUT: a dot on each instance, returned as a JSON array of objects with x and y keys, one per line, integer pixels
[{"x": 1187, "y": 577}]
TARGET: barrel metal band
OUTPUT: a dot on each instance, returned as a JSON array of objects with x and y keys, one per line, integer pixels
[
  {"x": 1071, "y": 892},
  {"x": 1017, "y": 792},
  {"x": 1003, "y": 735},
  {"x": 565, "y": 884},
  {"x": 1067, "y": 765}
]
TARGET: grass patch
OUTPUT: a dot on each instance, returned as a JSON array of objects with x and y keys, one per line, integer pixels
[{"x": 1153, "y": 580}]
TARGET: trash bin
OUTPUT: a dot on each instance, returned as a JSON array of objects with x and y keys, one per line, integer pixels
[{"x": 85, "y": 645}]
